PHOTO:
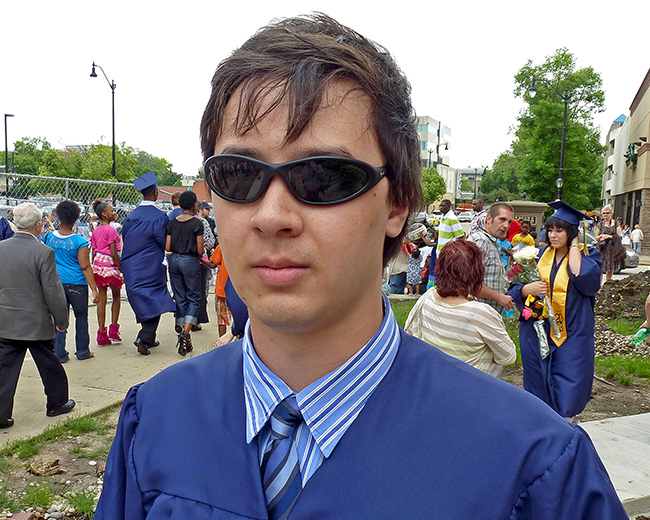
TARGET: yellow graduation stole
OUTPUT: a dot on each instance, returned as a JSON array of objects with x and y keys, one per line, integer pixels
[{"x": 559, "y": 289}]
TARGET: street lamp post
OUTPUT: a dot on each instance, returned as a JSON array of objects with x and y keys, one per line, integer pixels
[
  {"x": 7, "y": 146},
  {"x": 438, "y": 145},
  {"x": 438, "y": 152},
  {"x": 565, "y": 99},
  {"x": 559, "y": 182},
  {"x": 111, "y": 84},
  {"x": 430, "y": 152}
]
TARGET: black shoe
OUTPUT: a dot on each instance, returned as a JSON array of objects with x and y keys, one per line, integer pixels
[
  {"x": 66, "y": 408},
  {"x": 154, "y": 344},
  {"x": 178, "y": 329},
  {"x": 6, "y": 423},
  {"x": 142, "y": 347},
  {"x": 184, "y": 343}
]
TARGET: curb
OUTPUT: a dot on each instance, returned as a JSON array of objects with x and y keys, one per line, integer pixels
[{"x": 637, "y": 506}]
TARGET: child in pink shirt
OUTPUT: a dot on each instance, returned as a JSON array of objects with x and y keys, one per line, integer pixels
[{"x": 106, "y": 244}]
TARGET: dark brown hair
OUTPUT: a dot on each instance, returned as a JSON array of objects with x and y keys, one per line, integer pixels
[
  {"x": 99, "y": 206},
  {"x": 297, "y": 57},
  {"x": 459, "y": 269}
]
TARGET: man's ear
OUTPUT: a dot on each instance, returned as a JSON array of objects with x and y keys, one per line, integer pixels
[{"x": 396, "y": 219}]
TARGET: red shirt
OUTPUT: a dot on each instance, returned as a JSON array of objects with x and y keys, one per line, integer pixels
[{"x": 514, "y": 228}]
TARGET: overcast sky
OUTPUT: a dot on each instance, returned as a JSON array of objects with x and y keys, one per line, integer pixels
[{"x": 460, "y": 57}]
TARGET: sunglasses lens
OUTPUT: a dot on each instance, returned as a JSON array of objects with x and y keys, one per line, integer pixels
[
  {"x": 322, "y": 181},
  {"x": 235, "y": 179},
  {"x": 318, "y": 180}
]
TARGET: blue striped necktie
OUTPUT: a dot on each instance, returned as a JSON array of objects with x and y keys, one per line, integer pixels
[{"x": 280, "y": 465}]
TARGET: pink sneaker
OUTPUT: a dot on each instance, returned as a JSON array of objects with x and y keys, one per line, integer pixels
[
  {"x": 114, "y": 333},
  {"x": 102, "y": 337}
]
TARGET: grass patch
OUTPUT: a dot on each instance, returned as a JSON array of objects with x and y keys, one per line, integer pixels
[
  {"x": 625, "y": 326},
  {"x": 72, "y": 426},
  {"x": 38, "y": 495},
  {"x": 623, "y": 368},
  {"x": 84, "y": 503},
  {"x": 5, "y": 465},
  {"x": 512, "y": 328},
  {"x": 99, "y": 454},
  {"x": 7, "y": 501},
  {"x": 401, "y": 309}
]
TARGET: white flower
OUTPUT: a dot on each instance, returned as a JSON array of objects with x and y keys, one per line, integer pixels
[{"x": 525, "y": 254}]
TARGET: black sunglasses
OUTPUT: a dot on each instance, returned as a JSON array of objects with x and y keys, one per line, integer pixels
[{"x": 313, "y": 180}]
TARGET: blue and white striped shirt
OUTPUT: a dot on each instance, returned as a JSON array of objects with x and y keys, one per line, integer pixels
[{"x": 329, "y": 405}]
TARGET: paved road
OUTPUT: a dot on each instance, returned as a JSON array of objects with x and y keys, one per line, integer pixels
[{"x": 627, "y": 272}]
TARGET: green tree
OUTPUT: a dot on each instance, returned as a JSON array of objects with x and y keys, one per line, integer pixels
[
  {"x": 162, "y": 169},
  {"x": 54, "y": 165},
  {"x": 433, "y": 185},
  {"x": 97, "y": 163},
  {"x": 29, "y": 154},
  {"x": 536, "y": 149},
  {"x": 499, "y": 194},
  {"x": 465, "y": 185},
  {"x": 503, "y": 175}
]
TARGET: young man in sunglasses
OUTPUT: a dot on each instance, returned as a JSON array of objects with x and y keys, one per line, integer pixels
[{"x": 326, "y": 409}]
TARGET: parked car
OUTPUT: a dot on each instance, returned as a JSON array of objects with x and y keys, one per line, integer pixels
[
  {"x": 631, "y": 257},
  {"x": 465, "y": 216}
]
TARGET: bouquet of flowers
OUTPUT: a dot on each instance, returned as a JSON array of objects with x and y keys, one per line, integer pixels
[{"x": 525, "y": 271}]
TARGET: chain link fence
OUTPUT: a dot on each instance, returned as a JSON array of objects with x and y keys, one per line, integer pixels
[{"x": 47, "y": 192}]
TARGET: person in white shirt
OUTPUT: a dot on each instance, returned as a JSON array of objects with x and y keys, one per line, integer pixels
[{"x": 636, "y": 237}]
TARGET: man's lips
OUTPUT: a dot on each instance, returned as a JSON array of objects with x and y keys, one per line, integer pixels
[{"x": 280, "y": 272}]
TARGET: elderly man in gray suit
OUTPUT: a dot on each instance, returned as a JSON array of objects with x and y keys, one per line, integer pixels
[{"x": 32, "y": 308}]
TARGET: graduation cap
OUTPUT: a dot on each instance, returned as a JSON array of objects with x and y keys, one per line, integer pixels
[
  {"x": 146, "y": 183},
  {"x": 572, "y": 216},
  {"x": 568, "y": 213}
]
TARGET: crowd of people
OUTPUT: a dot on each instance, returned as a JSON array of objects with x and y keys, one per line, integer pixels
[{"x": 455, "y": 315}]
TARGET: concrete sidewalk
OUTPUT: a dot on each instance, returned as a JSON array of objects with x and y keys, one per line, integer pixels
[
  {"x": 103, "y": 380},
  {"x": 623, "y": 443}
]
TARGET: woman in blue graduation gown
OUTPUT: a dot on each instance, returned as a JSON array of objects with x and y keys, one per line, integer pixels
[
  {"x": 571, "y": 277},
  {"x": 144, "y": 232}
]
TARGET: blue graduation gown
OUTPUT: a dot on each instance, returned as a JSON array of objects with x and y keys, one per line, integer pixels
[
  {"x": 564, "y": 379},
  {"x": 438, "y": 439},
  {"x": 144, "y": 232}
]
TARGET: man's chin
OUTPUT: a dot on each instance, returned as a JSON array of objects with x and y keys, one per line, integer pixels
[{"x": 287, "y": 315}]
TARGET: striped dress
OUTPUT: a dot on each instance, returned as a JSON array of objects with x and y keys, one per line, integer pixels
[{"x": 472, "y": 332}]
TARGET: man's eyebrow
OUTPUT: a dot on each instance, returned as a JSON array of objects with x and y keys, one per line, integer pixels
[
  {"x": 328, "y": 151},
  {"x": 241, "y": 150}
]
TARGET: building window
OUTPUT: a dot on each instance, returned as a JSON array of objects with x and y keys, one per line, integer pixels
[{"x": 423, "y": 145}]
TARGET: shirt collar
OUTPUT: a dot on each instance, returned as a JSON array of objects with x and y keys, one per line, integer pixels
[
  {"x": 21, "y": 233},
  {"x": 147, "y": 203},
  {"x": 492, "y": 238},
  {"x": 330, "y": 404}
]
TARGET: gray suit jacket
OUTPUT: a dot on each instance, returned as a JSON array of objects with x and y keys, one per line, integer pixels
[{"x": 32, "y": 300}]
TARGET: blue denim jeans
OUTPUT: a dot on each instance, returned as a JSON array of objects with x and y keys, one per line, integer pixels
[
  {"x": 637, "y": 247},
  {"x": 397, "y": 283},
  {"x": 77, "y": 296},
  {"x": 185, "y": 277}
]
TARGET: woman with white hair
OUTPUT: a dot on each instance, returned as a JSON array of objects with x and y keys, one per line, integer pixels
[{"x": 608, "y": 236}]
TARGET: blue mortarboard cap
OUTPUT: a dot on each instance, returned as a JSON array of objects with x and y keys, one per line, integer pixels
[
  {"x": 568, "y": 213},
  {"x": 146, "y": 183}
]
